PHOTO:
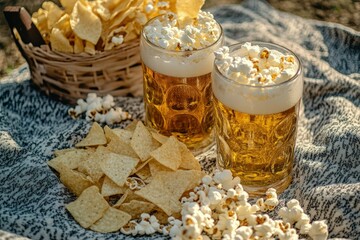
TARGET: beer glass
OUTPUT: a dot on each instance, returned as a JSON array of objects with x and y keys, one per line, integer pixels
[
  {"x": 256, "y": 126},
  {"x": 177, "y": 91}
]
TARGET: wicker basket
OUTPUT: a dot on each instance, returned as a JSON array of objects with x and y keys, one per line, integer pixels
[{"x": 69, "y": 77}]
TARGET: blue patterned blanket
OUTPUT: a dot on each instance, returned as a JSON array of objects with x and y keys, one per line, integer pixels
[{"x": 327, "y": 168}]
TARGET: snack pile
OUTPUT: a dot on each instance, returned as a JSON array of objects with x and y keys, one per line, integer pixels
[
  {"x": 255, "y": 65},
  {"x": 179, "y": 34},
  {"x": 89, "y": 26},
  {"x": 139, "y": 182},
  {"x": 119, "y": 174}
]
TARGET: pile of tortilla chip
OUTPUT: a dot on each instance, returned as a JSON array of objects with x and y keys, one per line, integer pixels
[{"x": 118, "y": 174}]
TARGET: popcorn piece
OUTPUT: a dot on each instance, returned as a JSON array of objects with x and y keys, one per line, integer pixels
[
  {"x": 99, "y": 109},
  {"x": 117, "y": 40},
  {"x": 318, "y": 230}
]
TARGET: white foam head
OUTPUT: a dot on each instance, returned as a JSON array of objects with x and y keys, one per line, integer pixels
[{"x": 257, "y": 99}]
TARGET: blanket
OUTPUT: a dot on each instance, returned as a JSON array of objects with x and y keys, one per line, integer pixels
[{"x": 327, "y": 156}]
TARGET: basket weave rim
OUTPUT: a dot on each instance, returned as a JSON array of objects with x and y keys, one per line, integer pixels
[{"x": 83, "y": 56}]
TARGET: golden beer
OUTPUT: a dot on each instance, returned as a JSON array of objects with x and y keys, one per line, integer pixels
[
  {"x": 179, "y": 106},
  {"x": 256, "y": 128},
  {"x": 257, "y": 148},
  {"x": 177, "y": 90}
]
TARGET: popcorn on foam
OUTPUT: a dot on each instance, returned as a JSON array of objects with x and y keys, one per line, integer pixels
[
  {"x": 214, "y": 212},
  {"x": 254, "y": 65},
  {"x": 99, "y": 109},
  {"x": 168, "y": 34}
]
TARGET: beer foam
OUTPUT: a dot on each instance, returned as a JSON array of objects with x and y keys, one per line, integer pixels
[
  {"x": 257, "y": 80},
  {"x": 181, "y": 48}
]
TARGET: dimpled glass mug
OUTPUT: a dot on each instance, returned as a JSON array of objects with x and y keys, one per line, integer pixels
[
  {"x": 256, "y": 124},
  {"x": 177, "y": 91}
]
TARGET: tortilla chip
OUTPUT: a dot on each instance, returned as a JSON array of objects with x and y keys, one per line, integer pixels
[
  {"x": 156, "y": 167},
  {"x": 118, "y": 167},
  {"x": 180, "y": 181},
  {"x": 75, "y": 181},
  {"x": 112, "y": 221},
  {"x": 188, "y": 161},
  {"x": 72, "y": 159},
  {"x": 117, "y": 145},
  {"x": 89, "y": 207},
  {"x": 95, "y": 137},
  {"x": 91, "y": 167},
  {"x": 124, "y": 135},
  {"x": 109, "y": 188},
  {"x": 135, "y": 208},
  {"x": 168, "y": 154},
  {"x": 144, "y": 173},
  {"x": 154, "y": 192},
  {"x": 142, "y": 142}
]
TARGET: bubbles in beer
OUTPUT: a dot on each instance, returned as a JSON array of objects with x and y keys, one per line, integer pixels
[
  {"x": 257, "y": 148},
  {"x": 179, "y": 106},
  {"x": 183, "y": 123},
  {"x": 153, "y": 91},
  {"x": 155, "y": 118},
  {"x": 182, "y": 97}
]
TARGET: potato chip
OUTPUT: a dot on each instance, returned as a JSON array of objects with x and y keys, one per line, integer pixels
[
  {"x": 68, "y": 5},
  {"x": 59, "y": 42},
  {"x": 188, "y": 8},
  {"x": 142, "y": 142},
  {"x": 78, "y": 45},
  {"x": 120, "y": 7},
  {"x": 109, "y": 188},
  {"x": 95, "y": 137},
  {"x": 75, "y": 181},
  {"x": 154, "y": 192},
  {"x": 112, "y": 221},
  {"x": 91, "y": 166},
  {"x": 188, "y": 161},
  {"x": 64, "y": 25},
  {"x": 55, "y": 13},
  {"x": 89, "y": 207},
  {"x": 85, "y": 23},
  {"x": 118, "y": 167},
  {"x": 168, "y": 154},
  {"x": 72, "y": 159},
  {"x": 135, "y": 208},
  {"x": 89, "y": 48},
  {"x": 102, "y": 11},
  {"x": 117, "y": 145}
]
